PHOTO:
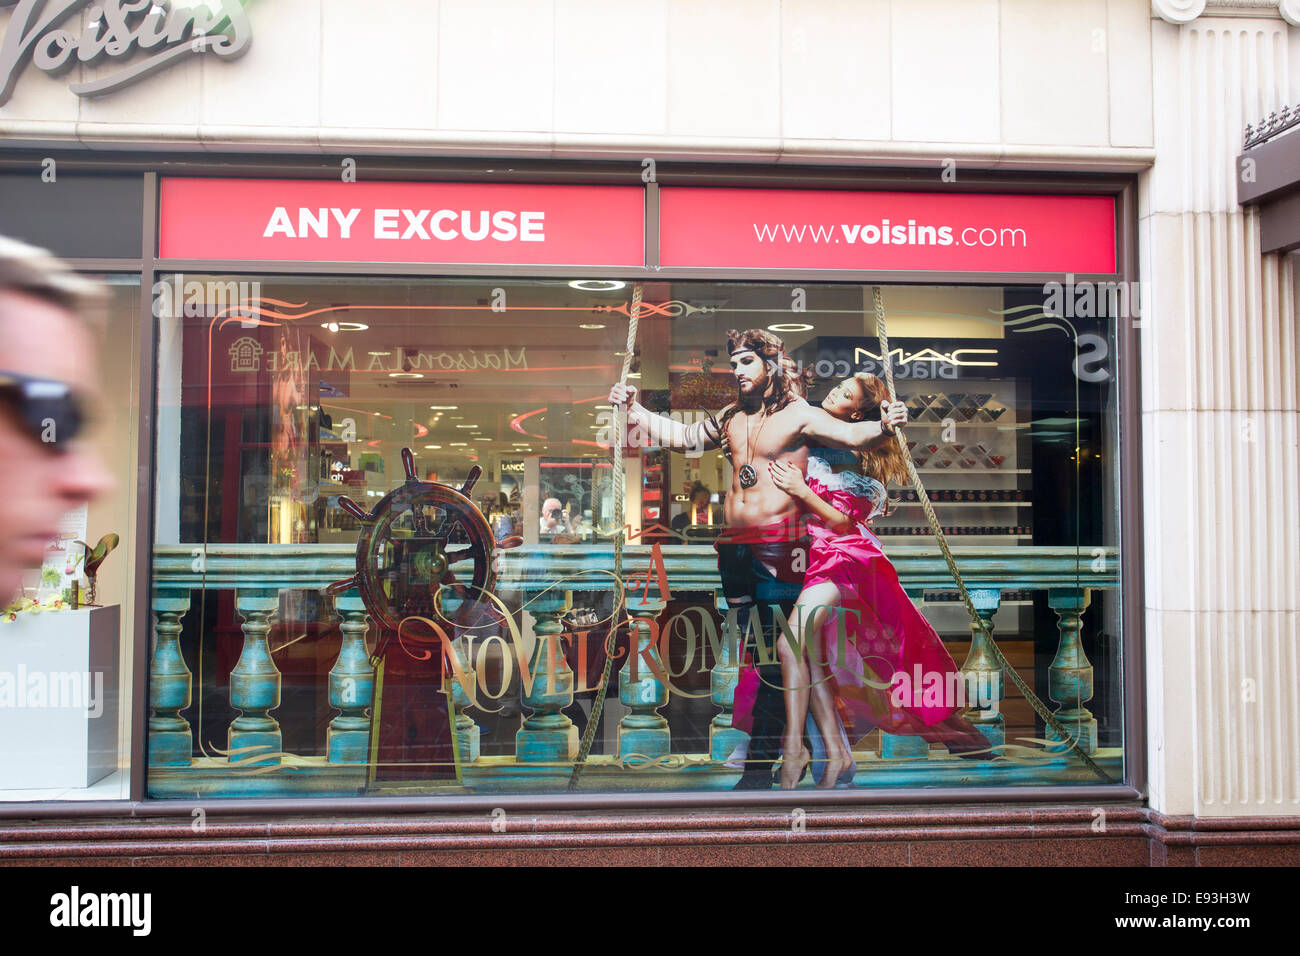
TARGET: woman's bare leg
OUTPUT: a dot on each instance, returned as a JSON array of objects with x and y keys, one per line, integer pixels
[
  {"x": 810, "y": 614},
  {"x": 794, "y": 674}
]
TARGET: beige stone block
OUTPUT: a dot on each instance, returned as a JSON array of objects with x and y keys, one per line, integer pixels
[
  {"x": 945, "y": 72},
  {"x": 159, "y": 102},
  {"x": 1170, "y": 705},
  {"x": 1170, "y": 483},
  {"x": 724, "y": 69},
  {"x": 1054, "y": 72},
  {"x": 835, "y": 69},
  {"x": 1128, "y": 63},
  {"x": 1165, "y": 263},
  {"x": 1167, "y": 182},
  {"x": 496, "y": 65},
  {"x": 611, "y": 64},
  {"x": 379, "y": 64},
  {"x": 38, "y": 97},
  {"x": 277, "y": 82}
]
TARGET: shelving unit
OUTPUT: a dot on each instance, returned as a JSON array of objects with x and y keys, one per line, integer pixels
[{"x": 966, "y": 440}]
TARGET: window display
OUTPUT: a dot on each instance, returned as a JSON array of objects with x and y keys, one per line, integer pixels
[
  {"x": 67, "y": 634},
  {"x": 388, "y": 510}
]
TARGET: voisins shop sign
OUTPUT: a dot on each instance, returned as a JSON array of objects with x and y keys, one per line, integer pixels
[{"x": 143, "y": 36}]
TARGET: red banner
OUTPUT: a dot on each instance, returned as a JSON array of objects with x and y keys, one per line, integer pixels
[
  {"x": 921, "y": 231},
  {"x": 490, "y": 223}
]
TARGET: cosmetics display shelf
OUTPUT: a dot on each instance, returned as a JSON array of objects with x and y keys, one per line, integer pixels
[
  {"x": 973, "y": 471},
  {"x": 967, "y": 504},
  {"x": 973, "y": 452},
  {"x": 1000, "y": 426},
  {"x": 954, "y": 537}
]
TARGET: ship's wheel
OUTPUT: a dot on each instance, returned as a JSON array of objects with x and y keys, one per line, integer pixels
[{"x": 421, "y": 538}]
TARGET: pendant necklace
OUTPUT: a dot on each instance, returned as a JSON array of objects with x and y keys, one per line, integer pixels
[{"x": 748, "y": 475}]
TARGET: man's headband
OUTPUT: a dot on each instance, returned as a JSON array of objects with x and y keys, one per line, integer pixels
[{"x": 746, "y": 348}]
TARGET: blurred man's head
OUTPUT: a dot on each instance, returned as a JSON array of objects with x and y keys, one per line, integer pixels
[
  {"x": 48, "y": 379},
  {"x": 700, "y": 494}
]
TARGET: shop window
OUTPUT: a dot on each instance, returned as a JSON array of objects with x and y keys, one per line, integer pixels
[
  {"x": 67, "y": 640},
  {"x": 442, "y": 452}
]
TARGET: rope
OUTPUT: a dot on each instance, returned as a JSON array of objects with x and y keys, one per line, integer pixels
[
  {"x": 620, "y": 523},
  {"x": 982, "y": 625}
]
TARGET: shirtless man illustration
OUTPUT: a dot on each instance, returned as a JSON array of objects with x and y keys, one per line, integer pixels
[{"x": 758, "y": 558}]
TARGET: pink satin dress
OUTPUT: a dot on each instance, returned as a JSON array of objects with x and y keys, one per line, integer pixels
[{"x": 883, "y": 632}]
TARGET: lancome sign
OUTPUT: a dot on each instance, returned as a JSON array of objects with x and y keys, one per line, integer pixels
[{"x": 144, "y": 36}]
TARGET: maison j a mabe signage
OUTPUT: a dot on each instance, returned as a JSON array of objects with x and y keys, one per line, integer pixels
[{"x": 139, "y": 37}]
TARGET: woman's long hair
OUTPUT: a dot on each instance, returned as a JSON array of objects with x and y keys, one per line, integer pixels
[{"x": 884, "y": 462}]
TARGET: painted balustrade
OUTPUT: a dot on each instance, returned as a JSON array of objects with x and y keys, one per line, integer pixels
[
  {"x": 1069, "y": 678},
  {"x": 723, "y": 678},
  {"x": 351, "y": 685},
  {"x": 982, "y": 672},
  {"x": 547, "y": 735},
  {"x": 171, "y": 742},
  {"x": 258, "y": 573},
  {"x": 254, "y": 735},
  {"x": 643, "y": 732}
]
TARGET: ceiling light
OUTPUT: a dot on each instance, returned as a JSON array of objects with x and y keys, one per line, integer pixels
[
  {"x": 457, "y": 418},
  {"x": 790, "y": 327},
  {"x": 633, "y": 374},
  {"x": 607, "y": 407},
  {"x": 346, "y": 327},
  {"x": 597, "y": 285},
  {"x": 437, "y": 408},
  {"x": 467, "y": 426},
  {"x": 482, "y": 439},
  {"x": 591, "y": 326},
  {"x": 406, "y": 375},
  {"x": 379, "y": 353},
  {"x": 459, "y": 444},
  {"x": 433, "y": 446}
]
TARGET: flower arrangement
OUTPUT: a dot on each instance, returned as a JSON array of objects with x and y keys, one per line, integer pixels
[
  {"x": 64, "y": 591},
  {"x": 30, "y": 605}
]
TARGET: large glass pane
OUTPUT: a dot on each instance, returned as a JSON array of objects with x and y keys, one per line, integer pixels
[
  {"x": 66, "y": 647},
  {"x": 443, "y": 451}
]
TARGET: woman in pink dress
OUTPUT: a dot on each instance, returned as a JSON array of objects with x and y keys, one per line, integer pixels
[{"x": 883, "y": 632}]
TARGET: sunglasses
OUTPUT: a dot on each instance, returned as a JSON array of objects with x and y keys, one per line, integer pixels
[{"x": 50, "y": 412}]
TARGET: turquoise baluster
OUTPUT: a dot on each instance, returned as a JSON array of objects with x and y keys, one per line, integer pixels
[
  {"x": 982, "y": 672},
  {"x": 1069, "y": 678},
  {"x": 643, "y": 731},
  {"x": 467, "y": 732},
  {"x": 171, "y": 742},
  {"x": 351, "y": 685},
  {"x": 723, "y": 736},
  {"x": 254, "y": 735},
  {"x": 547, "y": 735}
]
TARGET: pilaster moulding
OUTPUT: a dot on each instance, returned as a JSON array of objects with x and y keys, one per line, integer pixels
[{"x": 1185, "y": 11}]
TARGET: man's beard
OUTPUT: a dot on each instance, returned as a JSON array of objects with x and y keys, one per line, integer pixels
[
  {"x": 753, "y": 398},
  {"x": 766, "y": 394}
]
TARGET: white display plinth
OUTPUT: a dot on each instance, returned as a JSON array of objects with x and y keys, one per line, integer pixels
[{"x": 58, "y": 698}]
